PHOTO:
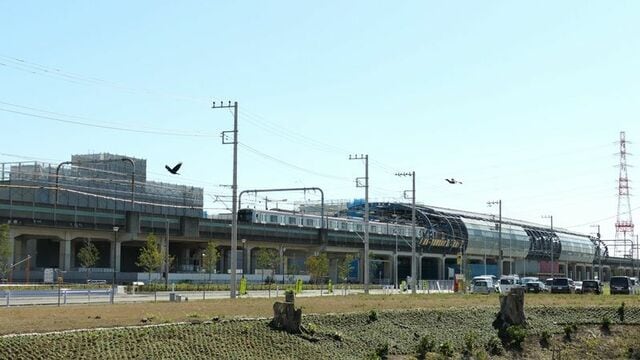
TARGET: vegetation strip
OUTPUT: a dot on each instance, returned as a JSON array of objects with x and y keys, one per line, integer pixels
[{"x": 354, "y": 335}]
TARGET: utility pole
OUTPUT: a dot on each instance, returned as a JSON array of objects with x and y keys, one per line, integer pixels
[
  {"x": 500, "y": 258},
  {"x": 234, "y": 190},
  {"x": 414, "y": 271},
  {"x": 395, "y": 262},
  {"x": 366, "y": 215},
  {"x": 166, "y": 257},
  {"x": 599, "y": 253},
  {"x": 551, "y": 242}
]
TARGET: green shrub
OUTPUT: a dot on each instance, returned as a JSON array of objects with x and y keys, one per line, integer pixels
[
  {"x": 330, "y": 287},
  {"x": 312, "y": 328},
  {"x": 382, "y": 351},
  {"x": 470, "y": 339},
  {"x": 515, "y": 336},
  {"x": 446, "y": 349},
  {"x": 568, "y": 330},
  {"x": 621, "y": 312},
  {"x": 337, "y": 336},
  {"x": 373, "y": 316},
  {"x": 494, "y": 346},
  {"x": 606, "y": 324},
  {"x": 481, "y": 354},
  {"x": 545, "y": 339},
  {"x": 426, "y": 345}
]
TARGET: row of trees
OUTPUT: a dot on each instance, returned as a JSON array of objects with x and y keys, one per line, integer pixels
[
  {"x": 317, "y": 265},
  {"x": 152, "y": 258}
]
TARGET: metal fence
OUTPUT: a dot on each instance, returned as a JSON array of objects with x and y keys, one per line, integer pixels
[{"x": 53, "y": 297}]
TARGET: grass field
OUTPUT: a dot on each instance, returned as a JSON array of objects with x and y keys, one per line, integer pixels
[{"x": 50, "y": 318}]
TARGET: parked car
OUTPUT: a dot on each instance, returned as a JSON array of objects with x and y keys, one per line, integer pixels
[
  {"x": 535, "y": 286},
  {"x": 635, "y": 285},
  {"x": 591, "y": 287},
  {"x": 562, "y": 286},
  {"x": 507, "y": 282},
  {"x": 492, "y": 281},
  {"x": 527, "y": 279},
  {"x": 482, "y": 286},
  {"x": 548, "y": 282},
  {"x": 621, "y": 285},
  {"x": 577, "y": 287}
]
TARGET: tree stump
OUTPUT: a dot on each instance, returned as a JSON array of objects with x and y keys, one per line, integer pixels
[
  {"x": 285, "y": 316},
  {"x": 511, "y": 310}
]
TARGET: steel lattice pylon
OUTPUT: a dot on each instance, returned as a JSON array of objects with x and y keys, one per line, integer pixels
[{"x": 624, "y": 221}]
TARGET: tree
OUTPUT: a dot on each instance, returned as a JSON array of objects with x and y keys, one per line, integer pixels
[
  {"x": 88, "y": 256},
  {"x": 151, "y": 257},
  {"x": 5, "y": 251},
  {"x": 211, "y": 256},
  {"x": 318, "y": 266},
  {"x": 267, "y": 259},
  {"x": 344, "y": 267}
]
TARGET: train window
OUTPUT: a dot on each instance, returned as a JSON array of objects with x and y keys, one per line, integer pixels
[
  {"x": 374, "y": 228},
  {"x": 292, "y": 220},
  {"x": 273, "y": 218},
  {"x": 309, "y": 222},
  {"x": 343, "y": 225},
  {"x": 358, "y": 227}
]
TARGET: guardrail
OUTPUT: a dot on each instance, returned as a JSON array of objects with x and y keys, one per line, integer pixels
[{"x": 52, "y": 297}]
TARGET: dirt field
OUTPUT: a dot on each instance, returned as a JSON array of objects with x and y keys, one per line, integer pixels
[{"x": 51, "y": 318}]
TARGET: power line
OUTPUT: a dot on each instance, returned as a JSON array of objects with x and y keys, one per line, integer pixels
[
  {"x": 266, "y": 156},
  {"x": 108, "y": 127},
  {"x": 56, "y": 73}
]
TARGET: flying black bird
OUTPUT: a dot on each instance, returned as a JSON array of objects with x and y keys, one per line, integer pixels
[
  {"x": 173, "y": 170},
  {"x": 453, "y": 181}
]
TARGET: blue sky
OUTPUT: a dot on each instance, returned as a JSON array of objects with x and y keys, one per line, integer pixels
[{"x": 520, "y": 101}]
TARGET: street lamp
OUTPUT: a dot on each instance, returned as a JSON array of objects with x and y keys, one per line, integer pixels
[
  {"x": 551, "y": 242},
  {"x": 113, "y": 281},
  {"x": 500, "y": 259},
  {"x": 414, "y": 271}
]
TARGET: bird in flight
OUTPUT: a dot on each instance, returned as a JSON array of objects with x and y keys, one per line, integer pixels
[
  {"x": 173, "y": 170},
  {"x": 453, "y": 181}
]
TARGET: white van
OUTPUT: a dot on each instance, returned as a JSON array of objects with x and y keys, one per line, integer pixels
[
  {"x": 491, "y": 283},
  {"x": 507, "y": 282}
]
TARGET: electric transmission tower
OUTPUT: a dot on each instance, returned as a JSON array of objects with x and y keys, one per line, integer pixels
[{"x": 624, "y": 221}]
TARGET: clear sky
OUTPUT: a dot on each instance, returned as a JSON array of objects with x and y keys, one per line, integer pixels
[{"x": 521, "y": 101}]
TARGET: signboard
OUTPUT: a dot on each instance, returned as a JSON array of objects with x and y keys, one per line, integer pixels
[{"x": 48, "y": 276}]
